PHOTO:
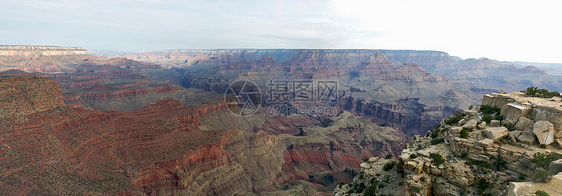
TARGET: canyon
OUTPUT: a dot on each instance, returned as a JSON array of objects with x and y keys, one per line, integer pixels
[
  {"x": 156, "y": 123},
  {"x": 170, "y": 148}
]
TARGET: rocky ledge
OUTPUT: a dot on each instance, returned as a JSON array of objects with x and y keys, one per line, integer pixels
[{"x": 510, "y": 145}]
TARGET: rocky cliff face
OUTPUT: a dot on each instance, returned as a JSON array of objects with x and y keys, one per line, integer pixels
[
  {"x": 33, "y": 51},
  {"x": 465, "y": 155}
]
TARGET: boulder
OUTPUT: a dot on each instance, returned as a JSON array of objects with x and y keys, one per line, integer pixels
[
  {"x": 527, "y": 137},
  {"x": 365, "y": 165},
  {"x": 511, "y": 137},
  {"x": 524, "y": 124},
  {"x": 495, "y": 133},
  {"x": 462, "y": 121},
  {"x": 559, "y": 142},
  {"x": 482, "y": 125},
  {"x": 516, "y": 133},
  {"x": 495, "y": 123},
  {"x": 373, "y": 159},
  {"x": 455, "y": 130},
  {"x": 514, "y": 111},
  {"x": 471, "y": 124},
  {"x": 544, "y": 131},
  {"x": 486, "y": 143},
  {"x": 555, "y": 166}
]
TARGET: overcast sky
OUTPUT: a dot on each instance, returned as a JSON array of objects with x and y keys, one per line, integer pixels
[{"x": 502, "y": 30}]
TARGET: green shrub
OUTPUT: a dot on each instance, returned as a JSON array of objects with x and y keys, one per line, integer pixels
[
  {"x": 413, "y": 156},
  {"x": 483, "y": 164},
  {"x": 509, "y": 126},
  {"x": 541, "y": 193},
  {"x": 464, "y": 155},
  {"x": 521, "y": 177},
  {"x": 482, "y": 185},
  {"x": 470, "y": 107},
  {"x": 365, "y": 159},
  {"x": 389, "y": 166},
  {"x": 500, "y": 117},
  {"x": 388, "y": 156},
  {"x": 488, "y": 110},
  {"x": 371, "y": 191},
  {"x": 464, "y": 133},
  {"x": 544, "y": 160},
  {"x": 499, "y": 164},
  {"x": 434, "y": 134},
  {"x": 436, "y": 141},
  {"x": 437, "y": 158},
  {"x": 536, "y": 92},
  {"x": 487, "y": 118},
  {"x": 453, "y": 120},
  {"x": 542, "y": 176}
]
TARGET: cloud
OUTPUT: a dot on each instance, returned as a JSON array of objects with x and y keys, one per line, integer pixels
[{"x": 505, "y": 30}]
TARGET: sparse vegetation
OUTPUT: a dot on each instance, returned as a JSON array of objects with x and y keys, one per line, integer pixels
[
  {"x": 464, "y": 133},
  {"x": 478, "y": 163},
  {"x": 499, "y": 164},
  {"x": 509, "y": 126},
  {"x": 544, "y": 160},
  {"x": 482, "y": 185},
  {"x": 454, "y": 119},
  {"x": 487, "y": 118},
  {"x": 489, "y": 110},
  {"x": 370, "y": 191},
  {"x": 542, "y": 176},
  {"x": 541, "y": 193},
  {"x": 389, "y": 166},
  {"x": 436, "y": 141},
  {"x": 470, "y": 107},
  {"x": 388, "y": 156},
  {"x": 413, "y": 156},
  {"x": 437, "y": 158},
  {"x": 544, "y": 93},
  {"x": 499, "y": 117}
]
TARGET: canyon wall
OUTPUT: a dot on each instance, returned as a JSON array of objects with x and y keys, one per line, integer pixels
[{"x": 30, "y": 51}]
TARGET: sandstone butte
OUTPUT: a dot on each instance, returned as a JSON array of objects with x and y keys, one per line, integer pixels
[
  {"x": 48, "y": 148},
  {"x": 466, "y": 156}
]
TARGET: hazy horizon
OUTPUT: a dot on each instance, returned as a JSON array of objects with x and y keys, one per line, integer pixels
[{"x": 501, "y": 30}]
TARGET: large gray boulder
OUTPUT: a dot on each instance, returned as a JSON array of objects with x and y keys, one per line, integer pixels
[
  {"x": 471, "y": 124},
  {"x": 544, "y": 131},
  {"x": 527, "y": 137},
  {"x": 495, "y": 133},
  {"x": 512, "y": 111},
  {"x": 555, "y": 166},
  {"x": 523, "y": 124}
]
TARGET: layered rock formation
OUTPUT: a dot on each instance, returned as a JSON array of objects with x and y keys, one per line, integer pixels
[
  {"x": 466, "y": 156},
  {"x": 33, "y": 51},
  {"x": 169, "y": 148}
]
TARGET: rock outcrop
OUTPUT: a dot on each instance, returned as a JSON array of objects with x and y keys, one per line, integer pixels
[
  {"x": 33, "y": 51},
  {"x": 462, "y": 156}
]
